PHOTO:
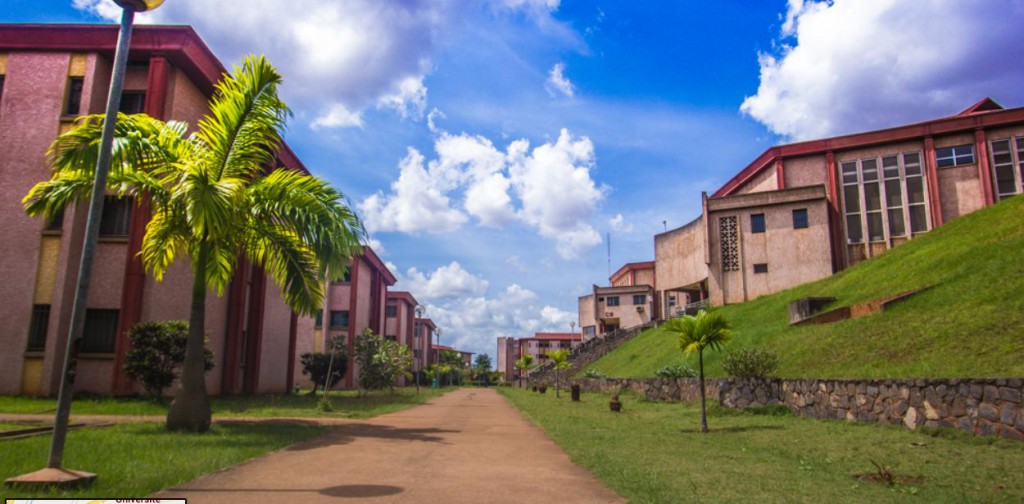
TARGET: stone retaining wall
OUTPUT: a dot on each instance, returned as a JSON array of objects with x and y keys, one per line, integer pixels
[{"x": 985, "y": 406}]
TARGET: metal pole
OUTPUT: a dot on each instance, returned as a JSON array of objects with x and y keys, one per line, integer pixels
[{"x": 92, "y": 230}]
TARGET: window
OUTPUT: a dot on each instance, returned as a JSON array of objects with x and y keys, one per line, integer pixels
[
  {"x": 117, "y": 214},
  {"x": 757, "y": 223},
  {"x": 1, "y": 87},
  {"x": 730, "y": 254},
  {"x": 132, "y": 102},
  {"x": 100, "y": 331},
  {"x": 391, "y": 338},
  {"x": 339, "y": 318},
  {"x": 800, "y": 218},
  {"x": 639, "y": 299},
  {"x": 954, "y": 156},
  {"x": 74, "y": 102},
  {"x": 346, "y": 278},
  {"x": 761, "y": 268},
  {"x": 37, "y": 328},
  {"x": 56, "y": 222},
  {"x": 1008, "y": 166},
  {"x": 884, "y": 202},
  {"x": 612, "y": 301},
  {"x": 391, "y": 311}
]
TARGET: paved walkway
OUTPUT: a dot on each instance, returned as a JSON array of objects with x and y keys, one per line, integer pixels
[{"x": 467, "y": 446}]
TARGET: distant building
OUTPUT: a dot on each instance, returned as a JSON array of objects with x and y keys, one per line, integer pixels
[
  {"x": 508, "y": 354},
  {"x": 423, "y": 339},
  {"x": 467, "y": 357},
  {"x": 512, "y": 349},
  {"x": 628, "y": 302}
]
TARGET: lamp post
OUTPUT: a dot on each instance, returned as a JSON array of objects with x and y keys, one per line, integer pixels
[
  {"x": 54, "y": 474},
  {"x": 419, "y": 345}
]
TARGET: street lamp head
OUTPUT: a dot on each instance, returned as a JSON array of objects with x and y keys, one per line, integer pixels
[
  {"x": 419, "y": 312},
  {"x": 139, "y": 5}
]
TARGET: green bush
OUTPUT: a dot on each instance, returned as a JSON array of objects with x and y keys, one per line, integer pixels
[
  {"x": 676, "y": 371},
  {"x": 158, "y": 349},
  {"x": 750, "y": 362},
  {"x": 592, "y": 373}
]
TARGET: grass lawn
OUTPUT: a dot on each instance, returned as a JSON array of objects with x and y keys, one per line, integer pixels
[
  {"x": 654, "y": 452},
  {"x": 9, "y": 426},
  {"x": 135, "y": 460},
  {"x": 968, "y": 325},
  {"x": 346, "y": 404}
]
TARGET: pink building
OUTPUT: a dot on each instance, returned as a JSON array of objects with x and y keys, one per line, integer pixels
[
  {"x": 467, "y": 357},
  {"x": 803, "y": 211},
  {"x": 512, "y": 349},
  {"x": 424, "y": 330},
  {"x": 508, "y": 354},
  {"x": 400, "y": 321},
  {"x": 352, "y": 305},
  {"x": 628, "y": 301},
  {"x": 49, "y": 75}
]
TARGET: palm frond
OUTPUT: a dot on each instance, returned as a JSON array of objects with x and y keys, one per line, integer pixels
[
  {"x": 242, "y": 132},
  {"x": 51, "y": 196},
  {"x": 285, "y": 259}
]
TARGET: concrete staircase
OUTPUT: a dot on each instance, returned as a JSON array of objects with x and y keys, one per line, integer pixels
[{"x": 587, "y": 353}]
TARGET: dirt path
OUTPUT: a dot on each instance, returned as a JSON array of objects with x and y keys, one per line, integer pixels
[{"x": 467, "y": 446}]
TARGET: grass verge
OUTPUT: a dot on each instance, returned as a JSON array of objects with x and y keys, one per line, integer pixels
[
  {"x": 135, "y": 460},
  {"x": 345, "y": 404},
  {"x": 968, "y": 325},
  {"x": 654, "y": 452}
]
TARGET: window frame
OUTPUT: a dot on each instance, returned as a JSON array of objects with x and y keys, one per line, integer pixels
[
  {"x": 391, "y": 311},
  {"x": 120, "y": 210},
  {"x": 73, "y": 97},
  {"x": 341, "y": 315},
  {"x": 608, "y": 301},
  {"x": 1015, "y": 152},
  {"x": 956, "y": 156},
  {"x": 804, "y": 221},
  {"x": 883, "y": 175},
  {"x": 760, "y": 268},
  {"x": 38, "y": 328},
  {"x": 98, "y": 321},
  {"x": 641, "y": 297},
  {"x": 758, "y": 223}
]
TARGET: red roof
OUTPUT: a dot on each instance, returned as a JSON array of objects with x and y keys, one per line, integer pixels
[{"x": 984, "y": 114}]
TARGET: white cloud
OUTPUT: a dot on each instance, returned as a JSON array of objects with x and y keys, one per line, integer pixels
[
  {"x": 338, "y": 116},
  {"x": 546, "y": 5},
  {"x": 432, "y": 117},
  {"x": 377, "y": 247},
  {"x": 415, "y": 204},
  {"x": 557, "y": 81},
  {"x": 552, "y": 185},
  {"x": 618, "y": 223},
  {"x": 846, "y": 66},
  {"x": 409, "y": 100},
  {"x": 446, "y": 282}
]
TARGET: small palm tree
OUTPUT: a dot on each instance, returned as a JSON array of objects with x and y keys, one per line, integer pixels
[
  {"x": 524, "y": 365},
  {"x": 216, "y": 196},
  {"x": 560, "y": 359},
  {"x": 705, "y": 330}
]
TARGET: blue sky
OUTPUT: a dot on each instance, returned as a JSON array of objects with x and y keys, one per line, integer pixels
[{"x": 493, "y": 146}]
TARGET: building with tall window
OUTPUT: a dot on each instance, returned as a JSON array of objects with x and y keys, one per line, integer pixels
[
  {"x": 50, "y": 75},
  {"x": 628, "y": 301},
  {"x": 803, "y": 211}
]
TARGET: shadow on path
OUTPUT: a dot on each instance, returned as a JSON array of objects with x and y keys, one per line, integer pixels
[
  {"x": 345, "y": 434},
  {"x": 344, "y": 491}
]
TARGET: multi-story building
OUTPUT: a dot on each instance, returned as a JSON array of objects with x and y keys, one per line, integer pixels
[
  {"x": 354, "y": 304},
  {"x": 423, "y": 343},
  {"x": 803, "y": 211},
  {"x": 400, "y": 320},
  {"x": 467, "y": 357},
  {"x": 508, "y": 354},
  {"x": 537, "y": 346},
  {"x": 628, "y": 302},
  {"x": 49, "y": 75}
]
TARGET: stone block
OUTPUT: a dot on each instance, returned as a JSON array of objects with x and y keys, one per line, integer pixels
[
  {"x": 1011, "y": 433},
  {"x": 991, "y": 394},
  {"x": 986, "y": 428},
  {"x": 872, "y": 391},
  {"x": 930, "y": 412},
  {"x": 1009, "y": 394},
  {"x": 904, "y": 392},
  {"x": 920, "y": 383},
  {"x": 1007, "y": 413},
  {"x": 941, "y": 390},
  {"x": 1018, "y": 422},
  {"x": 911, "y": 419},
  {"x": 901, "y": 408},
  {"x": 976, "y": 392},
  {"x": 1016, "y": 383},
  {"x": 965, "y": 423},
  {"x": 916, "y": 400},
  {"x": 988, "y": 412}
]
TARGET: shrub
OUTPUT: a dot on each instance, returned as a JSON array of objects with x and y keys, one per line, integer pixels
[
  {"x": 750, "y": 362},
  {"x": 592, "y": 373},
  {"x": 158, "y": 349},
  {"x": 676, "y": 371}
]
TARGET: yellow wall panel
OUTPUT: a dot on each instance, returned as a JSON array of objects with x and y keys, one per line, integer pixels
[
  {"x": 77, "y": 66},
  {"x": 3, "y": 63},
  {"x": 32, "y": 377},
  {"x": 46, "y": 276}
]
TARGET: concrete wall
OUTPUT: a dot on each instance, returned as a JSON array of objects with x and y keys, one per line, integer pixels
[
  {"x": 679, "y": 261},
  {"x": 805, "y": 171},
  {"x": 587, "y": 307},
  {"x": 627, "y": 313}
]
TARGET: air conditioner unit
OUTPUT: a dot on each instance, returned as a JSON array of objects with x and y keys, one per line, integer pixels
[{"x": 640, "y": 309}]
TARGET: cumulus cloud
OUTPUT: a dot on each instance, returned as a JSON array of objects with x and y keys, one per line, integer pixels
[
  {"x": 557, "y": 81},
  {"x": 446, "y": 282},
  {"x": 844, "y": 66},
  {"x": 549, "y": 188},
  {"x": 338, "y": 58}
]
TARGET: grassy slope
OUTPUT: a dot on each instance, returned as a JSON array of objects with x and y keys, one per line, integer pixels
[
  {"x": 970, "y": 324},
  {"x": 654, "y": 452}
]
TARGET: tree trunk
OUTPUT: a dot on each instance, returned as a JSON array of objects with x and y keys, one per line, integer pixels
[
  {"x": 190, "y": 410},
  {"x": 703, "y": 410},
  {"x": 556, "y": 383}
]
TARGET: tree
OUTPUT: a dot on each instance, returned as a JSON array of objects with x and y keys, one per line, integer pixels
[
  {"x": 318, "y": 365},
  {"x": 381, "y": 361},
  {"x": 216, "y": 196},
  {"x": 451, "y": 362},
  {"x": 560, "y": 361},
  {"x": 482, "y": 369},
  {"x": 157, "y": 350},
  {"x": 524, "y": 365},
  {"x": 706, "y": 330}
]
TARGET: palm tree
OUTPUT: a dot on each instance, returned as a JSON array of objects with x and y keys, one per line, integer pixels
[
  {"x": 705, "y": 330},
  {"x": 216, "y": 196},
  {"x": 560, "y": 359},
  {"x": 524, "y": 364}
]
